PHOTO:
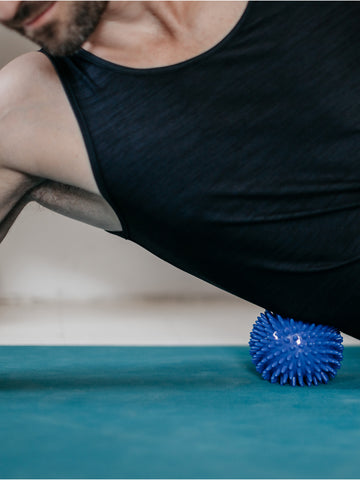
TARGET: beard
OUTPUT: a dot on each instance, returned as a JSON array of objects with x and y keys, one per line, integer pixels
[{"x": 61, "y": 37}]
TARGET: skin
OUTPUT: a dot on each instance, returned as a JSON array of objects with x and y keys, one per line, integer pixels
[{"x": 42, "y": 154}]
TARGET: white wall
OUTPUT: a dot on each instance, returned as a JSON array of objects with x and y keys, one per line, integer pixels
[{"x": 46, "y": 256}]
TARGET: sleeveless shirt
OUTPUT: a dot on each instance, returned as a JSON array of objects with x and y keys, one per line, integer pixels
[{"x": 241, "y": 165}]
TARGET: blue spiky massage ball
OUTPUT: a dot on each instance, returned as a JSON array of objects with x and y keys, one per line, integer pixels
[{"x": 293, "y": 352}]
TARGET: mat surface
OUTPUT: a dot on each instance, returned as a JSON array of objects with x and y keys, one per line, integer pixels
[{"x": 171, "y": 412}]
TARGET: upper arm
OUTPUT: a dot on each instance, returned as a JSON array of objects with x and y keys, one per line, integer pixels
[
  {"x": 15, "y": 98},
  {"x": 23, "y": 108},
  {"x": 39, "y": 132},
  {"x": 40, "y": 146}
]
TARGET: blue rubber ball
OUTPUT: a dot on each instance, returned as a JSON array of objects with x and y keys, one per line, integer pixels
[{"x": 293, "y": 352}]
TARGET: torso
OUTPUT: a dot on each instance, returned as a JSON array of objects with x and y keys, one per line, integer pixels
[{"x": 50, "y": 134}]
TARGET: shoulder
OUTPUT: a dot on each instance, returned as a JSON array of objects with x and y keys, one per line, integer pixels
[
  {"x": 39, "y": 133},
  {"x": 24, "y": 79},
  {"x": 25, "y": 84},
  {"x": 26, "y": 88}
]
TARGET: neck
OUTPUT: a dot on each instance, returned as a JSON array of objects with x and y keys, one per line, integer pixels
[
  {"x": 153, "y": 34},
  {"x": 125, "y": 24}
]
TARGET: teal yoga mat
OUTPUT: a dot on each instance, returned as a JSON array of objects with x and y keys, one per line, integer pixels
[{"x": 171, "y": 412}]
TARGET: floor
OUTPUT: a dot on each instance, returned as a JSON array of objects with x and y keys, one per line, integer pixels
[
  {"x": 170, "y": 412},
  {"x": 162, "y": 388},
  {"x": 146, "y": 321}
]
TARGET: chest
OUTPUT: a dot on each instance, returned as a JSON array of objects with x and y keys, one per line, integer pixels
[{"x": 141, "y": 47}]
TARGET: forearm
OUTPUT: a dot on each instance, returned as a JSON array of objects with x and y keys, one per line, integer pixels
[
  {"x": 9, "y": 219},
  {"x": 64, "y": 199},
  {"x": 75, "y": 203},
  {"x": 14, "y": 196}
]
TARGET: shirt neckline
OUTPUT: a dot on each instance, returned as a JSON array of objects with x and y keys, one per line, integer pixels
[{"x": 153, "y": 70}]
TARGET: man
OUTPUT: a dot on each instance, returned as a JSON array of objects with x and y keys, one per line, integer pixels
[{"x": 221, "y": 136}]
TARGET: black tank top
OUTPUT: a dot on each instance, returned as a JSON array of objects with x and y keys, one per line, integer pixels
[{"x": 241, "y": 165}]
